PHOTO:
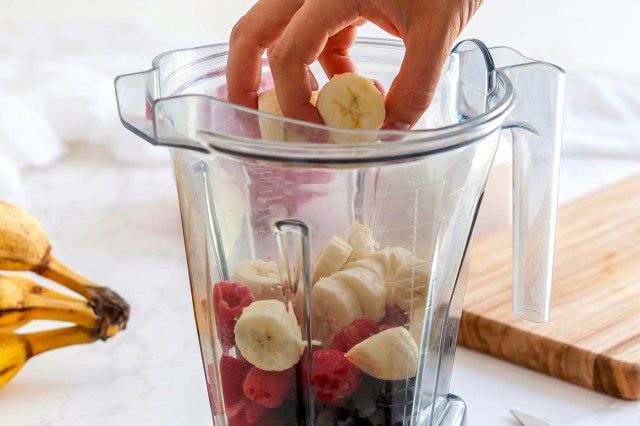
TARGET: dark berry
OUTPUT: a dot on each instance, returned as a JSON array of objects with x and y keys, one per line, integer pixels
[
  {"x": 363, "y": 401},
  {"x": 395, "y": 393},
  {"x": 394, "y": 316},
  {"x": 326, "y": 417},
  {"x": 333, "y": 376},
  {"x": 353, "y": 334},
  {"x": 345, "y": 419},
  {"x": 229, "y": 299},
  {"x": 268, "y": 388},
  {"x": 377, "y": 418}
]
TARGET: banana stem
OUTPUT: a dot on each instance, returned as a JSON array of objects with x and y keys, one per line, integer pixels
[
  {"x": 57, "y": 271},
  {"x": 106, "y": 303},
  {"x": 53, "y": 339}
]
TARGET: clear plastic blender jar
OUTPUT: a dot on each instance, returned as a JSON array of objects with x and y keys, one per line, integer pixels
[{"x": 327, "y": 280}]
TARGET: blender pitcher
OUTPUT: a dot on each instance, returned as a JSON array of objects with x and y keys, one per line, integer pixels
[{"x": 327, "y": 279}]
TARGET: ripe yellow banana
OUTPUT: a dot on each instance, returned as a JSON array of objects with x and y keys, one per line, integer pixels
[
  {"x": 24, "y": 246},
  {"x": 16, "y": 349},
  {"x": 18, "y": 307},
  {"x": 34, "y": 288}
]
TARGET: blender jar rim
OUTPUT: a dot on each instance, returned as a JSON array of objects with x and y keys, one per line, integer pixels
[{"x": 413, "y": 143}]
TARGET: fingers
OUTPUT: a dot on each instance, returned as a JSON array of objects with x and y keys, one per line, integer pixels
[
  {"x": 256, "y": 31},
  {"x": 413, "y": 88},
  {"x": 335, "y": 56},
  {"x": 301, "y": 43}
]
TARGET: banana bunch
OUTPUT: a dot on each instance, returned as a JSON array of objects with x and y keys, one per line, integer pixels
[{"x": 24, "y": 246}]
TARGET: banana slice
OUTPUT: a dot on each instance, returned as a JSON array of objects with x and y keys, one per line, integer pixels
[
  {"x": 369, "y": 288},
  {"x": 332, "y": 256},
  {"x": 392, "y": 258},
  {"x": 361, "y": 240},
  {"x": 416, "y": 325},
  {"x": 268, "y": 335},
  {"x": 350, "y": 101},
  {"x": 272, "y": 129},
  {"x": 262, "y": 278},
  {"x": 389, "y": 355},
  {"x": 371, "y": 264},
  {"x": 333, "y": 306},
  {"x": 410, "y": 284}
]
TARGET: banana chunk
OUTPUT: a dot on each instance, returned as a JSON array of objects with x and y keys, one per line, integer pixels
[
  {"x": 369, "y": 288},
  {"x": 350, "y": 101},
  {"x": 332, "y": 256},
  {"x": 260, "y": 277},
  {"x": 271, "y": 128},
  {"x": 410, "y": 284},
  {"x": 391, "y": 258},
  {"x": 361, "y": 240},
  {"x": 268, "y": 335},
  {"x": 371, "y": 264},
  {"x": 333, "y": 306},
  {"x": 388, "y": 355}
]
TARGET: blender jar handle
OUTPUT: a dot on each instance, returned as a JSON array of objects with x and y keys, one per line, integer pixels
[{"x": 536, "y": 123}]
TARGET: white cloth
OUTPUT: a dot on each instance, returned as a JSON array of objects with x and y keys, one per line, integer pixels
[
  {"x": 56, "y": 86},
  {"x": 602, "y": 115}
]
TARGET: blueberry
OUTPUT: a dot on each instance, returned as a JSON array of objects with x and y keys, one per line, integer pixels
[
  {"x": 344, "y": 419},
  {"x": 396, "y": 393},
  {"x": 363, "y": 402},
  {"x": 286, "y": 413},
  {"x": 378, "y": 418},
  {"x": 327, "y": 417},
  {"x": 397, "y": 416}
]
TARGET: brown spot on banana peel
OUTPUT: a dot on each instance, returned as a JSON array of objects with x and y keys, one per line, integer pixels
[
  {"x": 43, "y": 266},
  {"x": 8, "y": 369}
]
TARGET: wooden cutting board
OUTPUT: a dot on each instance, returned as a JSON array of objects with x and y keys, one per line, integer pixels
[{"x": 593, "y": 339}]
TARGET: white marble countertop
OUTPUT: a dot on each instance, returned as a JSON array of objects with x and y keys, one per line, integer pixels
[{"x": 120, "y": 226}]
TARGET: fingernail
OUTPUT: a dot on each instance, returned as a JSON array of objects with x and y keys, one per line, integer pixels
[{"x": 392, "y": 125}]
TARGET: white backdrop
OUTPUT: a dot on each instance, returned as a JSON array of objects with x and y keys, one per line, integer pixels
[{"x": 587, "y": 34}]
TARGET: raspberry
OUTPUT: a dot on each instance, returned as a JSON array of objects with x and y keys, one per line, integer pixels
[
  {"x": 228, "y": 301},
  {"x": 394, "y": 316},
  {"x": 268, "y": 388},
  {"x": 353, "y": 334},
  {"x": 248, "y": 413},
  {"x": 232, "y": 374},
  {"x": 333, "y": 376},
  {"x": 253, "y": 411}
]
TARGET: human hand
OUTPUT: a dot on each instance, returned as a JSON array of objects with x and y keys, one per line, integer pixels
[{"x": 295, "y": 33}]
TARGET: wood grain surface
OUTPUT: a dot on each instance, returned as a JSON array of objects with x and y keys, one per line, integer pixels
[{"x": 593, "y": 339}]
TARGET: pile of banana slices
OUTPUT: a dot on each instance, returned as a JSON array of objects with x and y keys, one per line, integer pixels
[
  {"x": 98, "y": 312},
  {"x": 352, "y": 279}
]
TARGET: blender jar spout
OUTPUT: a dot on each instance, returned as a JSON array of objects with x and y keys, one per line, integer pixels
[{"x": 135, "y": 102}]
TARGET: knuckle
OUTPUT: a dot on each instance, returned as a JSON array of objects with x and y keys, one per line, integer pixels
[
  {"x": 236, "y": 32},
  {"x": 417, "y": 99},
  {"x": 278, "y": 55}
]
